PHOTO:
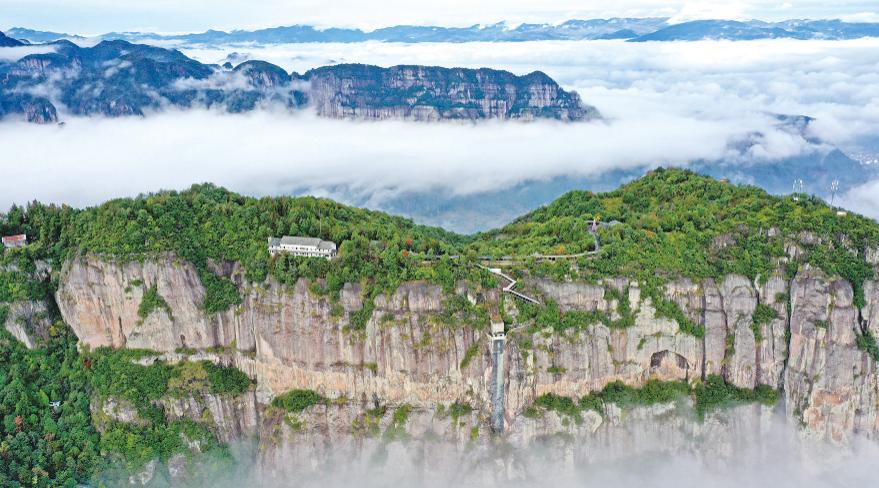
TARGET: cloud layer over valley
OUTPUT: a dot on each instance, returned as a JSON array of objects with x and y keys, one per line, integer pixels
[{"x": 668, "y": 103}]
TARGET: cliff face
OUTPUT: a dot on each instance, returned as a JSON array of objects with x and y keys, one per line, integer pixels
[
  {"x": 290, "y": 338},
  {"x": 28, "y": 321},
  {"x": 117, "y": 78},
  {"x": 432, "y": 93},
  {"x": 284, "y": 338}
]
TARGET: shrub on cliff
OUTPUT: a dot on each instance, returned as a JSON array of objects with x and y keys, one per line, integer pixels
[
  {"x": 715, "y": 392},
  {"x": 296, "y": 401}
]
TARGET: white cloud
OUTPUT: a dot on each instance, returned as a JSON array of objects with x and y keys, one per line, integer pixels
[
  {"x": 114, "y": 66},
  {"x": 861, "y": 17},
  {"x": 863, "y": 199},
  {"x": 734, "y": 10},
  {"x": 17, "y": 52},
  {"x": 837, "y": 82},
  {"x": 218, "y": 80},
  {"x": 267, "y": 152},
  {"x": 664, "y": 103}
]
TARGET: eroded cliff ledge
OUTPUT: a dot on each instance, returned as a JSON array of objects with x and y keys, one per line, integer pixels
[{"x": 411, "y": 353}]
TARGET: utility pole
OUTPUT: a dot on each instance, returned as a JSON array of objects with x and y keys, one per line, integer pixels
[
  {"x": 834, "y": 186},
  {"x": 799, "y": 186}
]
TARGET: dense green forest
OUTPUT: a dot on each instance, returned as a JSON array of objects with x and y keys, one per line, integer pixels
[
  {"x": 670, "y": 223},
  {"x": 675, "y": 223}
]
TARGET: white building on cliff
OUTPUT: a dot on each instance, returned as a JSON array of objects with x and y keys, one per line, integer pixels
[{"x": 309, "y": 247}]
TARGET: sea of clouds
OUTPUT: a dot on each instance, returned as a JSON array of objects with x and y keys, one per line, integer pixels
[{"x": 663, "y": 103}]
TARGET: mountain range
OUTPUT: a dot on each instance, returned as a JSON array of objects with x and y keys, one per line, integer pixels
[
  {"x": 118, "y": 78},
  {"x": 6, "y": 41},
  {"x": 632, "y": 29}
]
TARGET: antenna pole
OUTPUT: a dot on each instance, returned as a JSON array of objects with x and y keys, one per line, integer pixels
[{"x": 834, "y": 186}]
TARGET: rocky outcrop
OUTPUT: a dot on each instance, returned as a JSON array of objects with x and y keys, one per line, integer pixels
[
  {"x": 829, "y": 382},
  {"x": 232, "y": 418},
  {"x": 409, "y": 353},
  {"x": 284, "y": 338},
  {"x": 37, "y": 110},
  {"x": 125, "y": 79},
  {"x": 432, "y": 93},
  {"x": 28, "y": 321}
]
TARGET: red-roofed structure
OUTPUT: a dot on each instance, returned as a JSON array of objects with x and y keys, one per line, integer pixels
[{"x": 14, "y": 241}]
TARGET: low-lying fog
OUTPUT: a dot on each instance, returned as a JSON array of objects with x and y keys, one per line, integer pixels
[
  {"x": 665, "y": 103},
  {"x": 775, "y": 458}
]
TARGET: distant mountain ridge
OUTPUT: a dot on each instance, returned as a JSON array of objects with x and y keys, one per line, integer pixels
[
  {"x": 6, "y": 41},
  {"x": 118, "y": 78},
  {"x": 633, "y": 29}
]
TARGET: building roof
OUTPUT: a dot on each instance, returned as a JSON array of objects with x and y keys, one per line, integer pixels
[
  {"x": 303, "y": 241},
  {"x": 11, "y": 239}
]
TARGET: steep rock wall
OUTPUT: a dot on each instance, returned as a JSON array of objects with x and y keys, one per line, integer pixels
[{"x": 290, "y": 338}]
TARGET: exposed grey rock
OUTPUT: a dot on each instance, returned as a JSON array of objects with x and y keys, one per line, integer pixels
[
  {"x": 288, "y": 338},
  {"x": 28, "y": 321},
  {"x": 829, "y": 383},
  {"x": 739, "y": 303}
]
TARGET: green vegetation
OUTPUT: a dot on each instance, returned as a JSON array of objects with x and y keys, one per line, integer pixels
[
  {"x": 711, "y": 394},
  {"x": 135, "y": 445},
  {"x": 44, "y": 446},
  {"x": 296, "y": 401},
  {"x": 675, "y": 223},
  {"x": 226, "y": 380},
  {"x": 397, "y": 428},
  {"x": 207, "y": 224},
  {"x": 651, "y": 393},
  {"x": 152, "y": 301},
  {"x": 669, "y": 309},
  {"x": 369, "y": 424},
  {"x": 763, "y": 315},
  {"x": 672, "y": 224},
  {"x": 557, "y": 403},
  {"x": 550, "y": 316},
  {"x": 41, "y": 446},
  {"x": 469, "y": 354},
  {"x": 867, "y": 342},
  {"x": 118, "y": 374},
  {"x": 714, "y": 393},
  {"x": 458, "y": 410}
]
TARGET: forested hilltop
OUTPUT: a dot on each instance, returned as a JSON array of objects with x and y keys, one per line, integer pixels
[
  {"x": 665, "y": 226},
  {"x": 675, "y": 223}
]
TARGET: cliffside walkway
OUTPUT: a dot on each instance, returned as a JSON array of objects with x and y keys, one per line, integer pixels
[
  {"x": 518, "y": 260},
  {"x": 512, "y": 283},
  {"x": 515, "y": 260}
]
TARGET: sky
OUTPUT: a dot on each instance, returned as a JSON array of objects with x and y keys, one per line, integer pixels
[{"x": 101, "y": 16}]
